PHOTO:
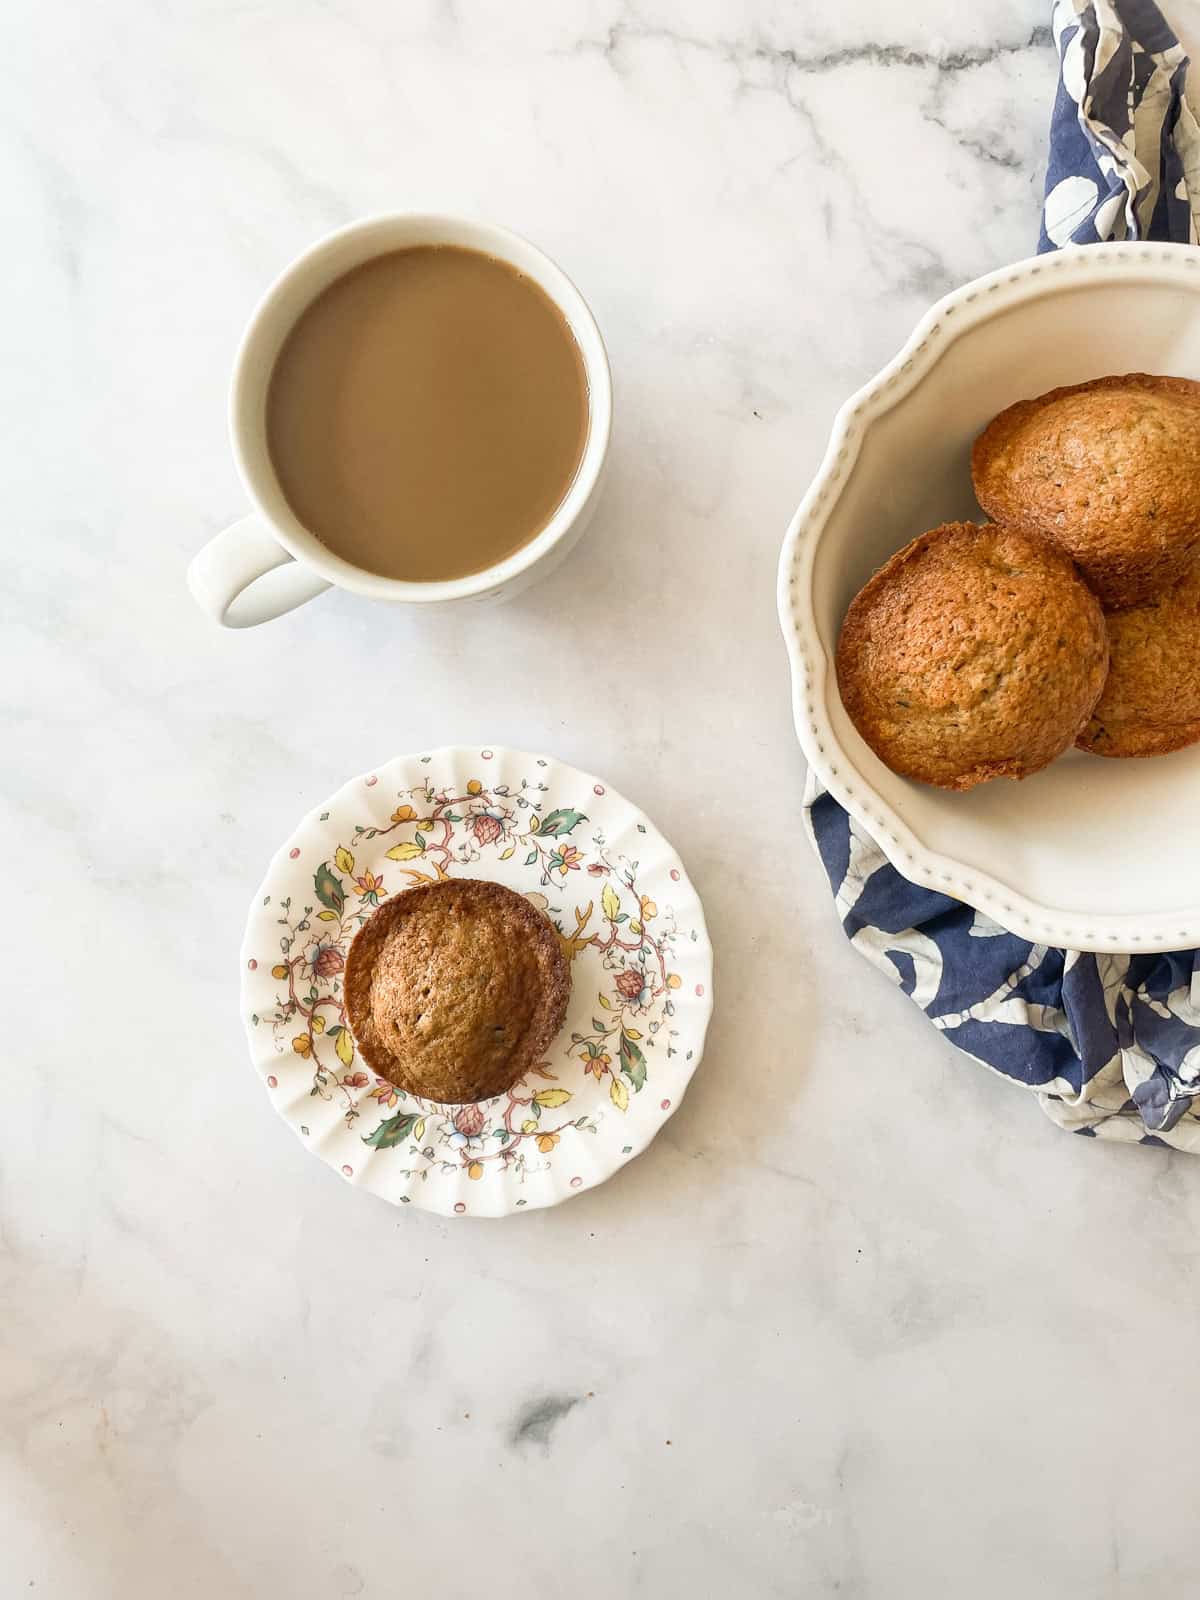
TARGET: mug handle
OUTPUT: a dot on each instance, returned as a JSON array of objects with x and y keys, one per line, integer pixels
[{"x": 244, "y": 576}]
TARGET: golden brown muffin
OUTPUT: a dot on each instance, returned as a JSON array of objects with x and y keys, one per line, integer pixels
[
  {"x": 1150, "y": 704},
  {"x": 1110, "y": 470},
  {"x": 975, "y": 653},
  {"x": 455, "y": 990}
]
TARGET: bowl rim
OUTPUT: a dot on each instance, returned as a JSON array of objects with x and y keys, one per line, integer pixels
[{"x": 814, "y": 681}]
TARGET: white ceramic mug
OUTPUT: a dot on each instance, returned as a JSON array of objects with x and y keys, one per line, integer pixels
[{"x": 269, "y": 562}]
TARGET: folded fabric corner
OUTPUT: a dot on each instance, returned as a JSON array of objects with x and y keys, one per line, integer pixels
[{"x": 1124, "y": 157}]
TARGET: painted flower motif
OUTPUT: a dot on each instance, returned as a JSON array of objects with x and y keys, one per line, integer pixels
[
  {"x": 302, "y": 1044},
  {"x": 487, "y": 826},
  {"x": 469, "y": 1120},
  {"x": 327, "y": 960},
  {"x": 386, "y": 1093},
  {"x": 546, "y": 1142},
  {"x": 566, "y": 859},
  {"x": 404, "y": 814},
  {"x": 649, "y": 909},
  {"x": 598, "y": 870},
  {"x": 474, "y": 787},
  {"x": 599, "y": 1064},
  {"x": 355, "y": 1080},
  {"x": 370, "y": 888},
  {"x": 475, "y": 1170},
  {"x": 279, "y": 972},
  {"x": 630, "y": 983}
]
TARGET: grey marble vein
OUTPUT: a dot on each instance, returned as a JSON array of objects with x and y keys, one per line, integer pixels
[
  {"x": 740, "y": 53},
  {"x": 536, "y": 1421}
]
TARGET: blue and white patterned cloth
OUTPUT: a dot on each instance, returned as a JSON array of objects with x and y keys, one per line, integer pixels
[
  {"x": 1110, "y": 1044},
  {"x": 1124, "y": 145}
]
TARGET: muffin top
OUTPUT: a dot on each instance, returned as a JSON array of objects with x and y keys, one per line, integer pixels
[
  {"x": 455, "y": 990},
  {"x": 975, "y": 653},
  {"x": 1110, "y": 470},
  {"x": 1150, "y": 703}
]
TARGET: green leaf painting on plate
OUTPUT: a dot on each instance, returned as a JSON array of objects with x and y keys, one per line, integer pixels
[
  {"x": 633, "y": 1063},
  {"x": 331, "y": 891},
  {"x": 392, "y": 1130},
  {"x": 560, "y": 822}
]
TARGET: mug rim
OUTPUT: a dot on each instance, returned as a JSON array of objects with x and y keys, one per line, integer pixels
[{"x": 428, "y": 228}]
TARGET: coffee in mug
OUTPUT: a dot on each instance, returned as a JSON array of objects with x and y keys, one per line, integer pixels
[{"x": 427, "y": 413}]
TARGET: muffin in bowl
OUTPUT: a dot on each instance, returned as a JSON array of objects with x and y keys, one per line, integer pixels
[
  {"x": 974, "y": 653},
  {"x": 1150, "y": 704},
  {"x": 1109, "y": 470},
  {"x": 454, "y": 990}
]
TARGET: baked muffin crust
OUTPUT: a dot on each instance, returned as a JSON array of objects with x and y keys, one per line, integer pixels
[
  {"x": 1109, "y": 470},
  {"x": 455, "y": 990},
  {"x": 1150, "y": 704},
  {"x": 975, "y": 653}
]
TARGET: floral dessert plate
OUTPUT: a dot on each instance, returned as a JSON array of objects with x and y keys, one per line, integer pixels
[{"x": 631, "y": 925}]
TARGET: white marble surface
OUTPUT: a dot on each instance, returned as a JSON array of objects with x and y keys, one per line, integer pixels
[{"x": 861, "y": 1322}]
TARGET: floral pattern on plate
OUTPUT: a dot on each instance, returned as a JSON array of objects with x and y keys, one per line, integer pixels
[{"x": 629, "y": 923}]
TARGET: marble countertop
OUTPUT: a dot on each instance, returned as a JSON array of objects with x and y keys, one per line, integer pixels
[{"x": 861, "y": 1321}]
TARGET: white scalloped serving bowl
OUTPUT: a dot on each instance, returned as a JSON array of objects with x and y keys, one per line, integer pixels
[{"x": 1091, "y": 854}]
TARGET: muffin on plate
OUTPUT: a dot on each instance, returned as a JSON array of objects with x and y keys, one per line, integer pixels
[
  {"x": 1110, "y": 470},
  {"x": 455, "y": 990},
  {"x": 1150, "y": 703},
  {"x": 975, "y": 653}
]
